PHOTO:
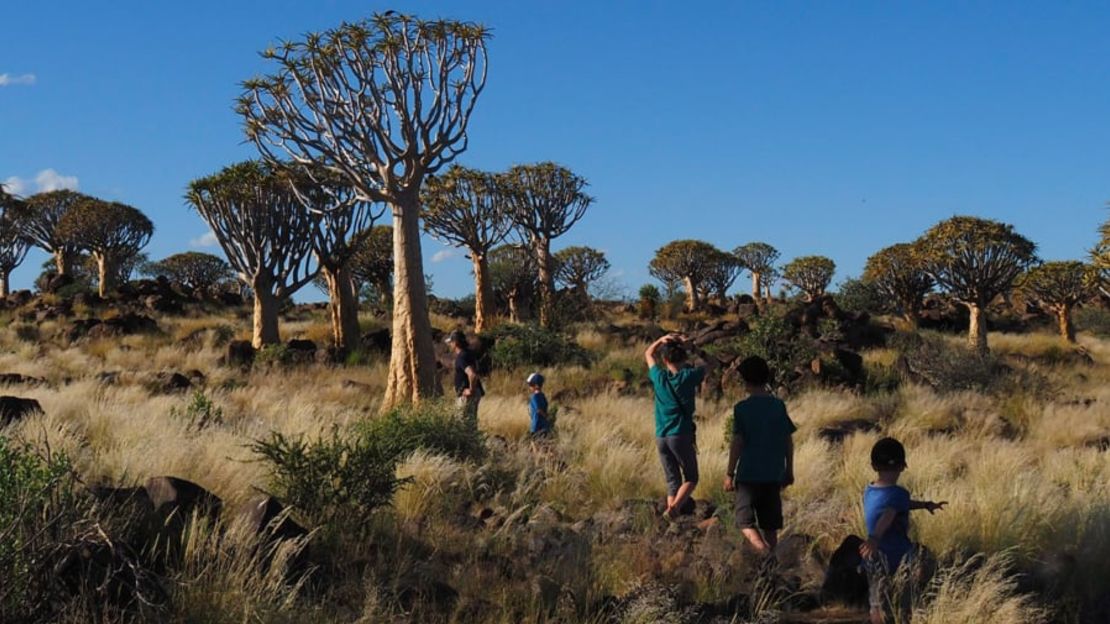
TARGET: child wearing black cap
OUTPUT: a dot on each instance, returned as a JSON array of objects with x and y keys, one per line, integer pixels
[{"x": 886, "y": 509}]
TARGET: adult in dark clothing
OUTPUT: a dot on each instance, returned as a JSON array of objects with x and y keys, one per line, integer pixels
[{"x": 468, "y": 384}]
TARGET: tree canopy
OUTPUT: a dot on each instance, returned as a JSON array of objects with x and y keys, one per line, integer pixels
[
  {"x": 112, "y": 232},
  {"x": 577, "y": 267},
  {"x": 810, "y": 274},
  {"x": 197, "y": 271},
  {"x": 687, "y": 262},
  {"x": 1059, "y": 287},
  {"x": 975, "y": 260},
  {"x": 13, "y": 244},
  {"x": 38, "y": 218},
  {"x": 899, "y": 273}
]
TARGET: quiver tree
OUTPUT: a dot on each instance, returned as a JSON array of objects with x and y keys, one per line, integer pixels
[
  {"x": 578, "y": 267},
  {"x": 810, "y": 274},
  {"x": 381, "y": 103},
  {"x": 13, "y": 245},
  {"x": 1060, "y": 287},
  {"x": 265, "y": 233},
  {"x": 339, "y": 220},
  {"x": 758, "y": 259},
  {"x": 721, "y": 274},
  {"x": 686, "y": 262},
  {"x": 465, "y": 208},
  {"x": 112, "y": 233},
  {"x": 196, "y": 271},
  {"x": 899, "y": 273},
  {"x": 38, "y": 218},
  {"x": 545, "y": 200},
  {"x": 372, "y": 262},
  {"x": 975, "y": 260},
  {"x": 513, "y": 274},
  {"x": 1100, "y": 259}
]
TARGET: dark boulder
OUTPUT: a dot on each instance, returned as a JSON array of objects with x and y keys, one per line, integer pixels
[
  {"x": 13, "y": 409},
  {"x": 173, "y": 497},
  {"x": 240, "y": 353},
  {"x": 377, "y": 341},
  {"x": 845, "y": 582},
  {"x": 266, "y": 515},
  {"x": 15, "y": 379},
  {"x": 107, "y": 571},
  {"x": 835, "y": 433},
  {"x": 168, "y": 383}
]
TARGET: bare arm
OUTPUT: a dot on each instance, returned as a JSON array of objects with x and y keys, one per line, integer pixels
[
  {"x": 868, "y": 549},
  {"x": 734, "y": 453},
  {"x": 649, "y": 354},
  {"x": 473, "y": 380},
  {"x": 928, "y": 506}
]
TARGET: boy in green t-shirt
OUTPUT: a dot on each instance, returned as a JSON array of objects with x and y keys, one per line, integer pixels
[{"x": 761, "y": 459}]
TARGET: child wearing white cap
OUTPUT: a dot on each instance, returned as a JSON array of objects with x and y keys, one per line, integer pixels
[{"x": 537, "y": 406}]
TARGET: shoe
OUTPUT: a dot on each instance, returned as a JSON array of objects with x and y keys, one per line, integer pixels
[{"x": 668, "y": 515}]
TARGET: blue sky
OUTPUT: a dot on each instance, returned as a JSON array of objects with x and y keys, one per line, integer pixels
[{"x": 820, "y": 127}]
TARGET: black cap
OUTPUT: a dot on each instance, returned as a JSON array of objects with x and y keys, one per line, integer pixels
[
  {"x": 888, "y": 454},
  {"x": 456, "y": 337}
]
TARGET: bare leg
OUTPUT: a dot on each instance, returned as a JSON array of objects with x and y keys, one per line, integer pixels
[
  {"x": 755, "y": 538},
  {"x": 680, "y": 497}
]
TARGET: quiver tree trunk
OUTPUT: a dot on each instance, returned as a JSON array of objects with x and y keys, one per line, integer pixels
[
  {"x": 757, "y": 287},
  {"x": 106, "y": 274},
  {"x": 62, "y": 262},
  {"x": 692, "y": 303},
  {"x": 5, "y": 278},
  {"x": 1063, "y": 317},
  {"x": 343, "y": 307},
  {"x": 265, "y": 330},
  {"x": 412, "y": 366},
  {"x": 547, "y": 281},
  {"x": 910, "y": 310},
  {"x": 483, "y": 293},
  {"x": 977, "y": 329}
]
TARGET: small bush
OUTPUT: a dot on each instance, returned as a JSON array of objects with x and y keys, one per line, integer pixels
[
  {"x": 277, "y": 354},
  {"x": 35, "y": 494},
  {"x": 349, "y": 474},
  {"x": 200, "y": 413},
  {"x": 519, "y": 346},
  {"x": 337, "y": 477},
  {"x": 946, "y": 367},
  {"x": 856, "y": 295},
  {"x": 649, "y": 301},
  {"x": 774, "y": 339}
]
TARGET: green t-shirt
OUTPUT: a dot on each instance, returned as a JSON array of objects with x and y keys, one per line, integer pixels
[
  {"x": 674, "y": 399},
  {"x": 762, "y": 422}
]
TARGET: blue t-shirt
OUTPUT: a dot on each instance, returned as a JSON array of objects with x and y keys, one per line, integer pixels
[
  {"x": 674, "y": 399},
  {"x": 895, "y": 543},
  {"x": 537, "y": 404}
]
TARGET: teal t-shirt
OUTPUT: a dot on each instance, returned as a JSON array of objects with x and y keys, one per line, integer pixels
[
  {"x": 674, "y": 399},
  {"x": 762, "y": 422}
]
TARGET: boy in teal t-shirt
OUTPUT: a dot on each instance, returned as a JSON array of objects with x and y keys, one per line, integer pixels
[
  {"x": 761, "y": 458},
  {"x": 675, "y": 384}
]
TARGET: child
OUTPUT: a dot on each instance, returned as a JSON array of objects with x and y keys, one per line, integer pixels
[
  {"x": 537, "y": 407},
  {"x": 761, "y": 458},
  {"x": 886, "y": 508}
]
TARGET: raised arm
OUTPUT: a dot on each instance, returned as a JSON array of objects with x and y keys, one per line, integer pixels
[
  {"x": 649, "y": 354},
  {"x": 928, "y": 506}
]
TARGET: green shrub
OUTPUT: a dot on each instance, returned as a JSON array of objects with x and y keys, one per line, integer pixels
[
  {"x": 348, "y": 474},
  {"x": 649, "y": 301},
  {"x": 36, "y": 492},
  {"x": 856, "y": 295},
  {"x": 1094, "y": 319},
  {"x": 432, "y": 427},
  {"x": 774, "y": 339},
  {"x": 278, "y": 354},
  {"x": 519, "y": 346},
  {"x": 338, "y": 477},
  {"x": 200, "y": 413}
]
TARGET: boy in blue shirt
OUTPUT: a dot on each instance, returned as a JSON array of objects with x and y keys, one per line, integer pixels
[
  {"x": 761, "y": 458},
  {"x": 537, "y": 407},
  {"x": 886, "y": 509}
]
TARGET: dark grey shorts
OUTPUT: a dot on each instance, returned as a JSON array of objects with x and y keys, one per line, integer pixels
[
  {"x": 759, "y": 505},
  {"x": 679, "y": 456}
]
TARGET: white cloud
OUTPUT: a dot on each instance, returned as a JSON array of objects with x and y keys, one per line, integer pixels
[
  {"x": 50, "y": 180},
  {"x": 446, "y": 254},
  {"x": 208, "y": 239},
  {"x": 46, "y": 180},
  {"x": 14, "y": 185},
  {"x": 21, "y": 79}
]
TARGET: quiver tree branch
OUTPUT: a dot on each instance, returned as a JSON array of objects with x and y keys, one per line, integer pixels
[
  {"x": 38, "y": 218},
  {"x": 265, "y": 233},
  {"x": 466, "y": 208},
  {"x": 810, "y": 274},
  {"x": 372, "y": 262},
  {"x": 112, "y": 233},
  {"x": 899, "y": 273},
  {"x": 975, "y": 260},
  {"x": 545, "y": 200},
  {"x": 381, "y": 104}
]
